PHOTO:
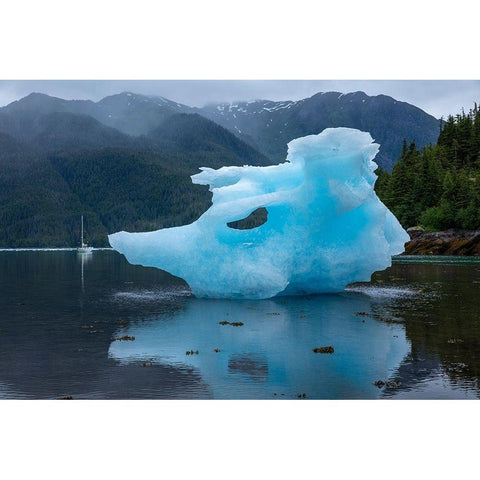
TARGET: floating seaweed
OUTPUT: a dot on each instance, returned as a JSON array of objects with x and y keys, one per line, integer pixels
[
  {"x": 125, "y": 338},
  {"x": 328, "y": 349}
]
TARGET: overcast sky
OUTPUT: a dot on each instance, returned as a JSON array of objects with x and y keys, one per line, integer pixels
[{"x": 437, "y": 97}]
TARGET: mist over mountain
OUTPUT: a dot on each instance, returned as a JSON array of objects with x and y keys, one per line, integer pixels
[
  {"x": 136, "y": 114},
  {"x": 200, "y": 138},
  {"x": 124, "y": 162},
  {"x": 69, "y": 131},
  {"x": 130, "y": 113}
]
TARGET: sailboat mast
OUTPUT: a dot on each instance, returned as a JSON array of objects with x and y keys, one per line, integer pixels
[{"x": 84, "y": 248}]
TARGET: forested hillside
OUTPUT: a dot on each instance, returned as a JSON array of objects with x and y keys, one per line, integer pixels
[
  {"x": 438, "y": 187},
  {"x": 65, "y": 165}
]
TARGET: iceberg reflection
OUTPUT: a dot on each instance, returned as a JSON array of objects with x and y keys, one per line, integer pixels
[{"x": 270, "y": 355}]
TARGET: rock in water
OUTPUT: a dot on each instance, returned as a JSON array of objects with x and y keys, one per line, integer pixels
[{"x": 325, "y": 228}]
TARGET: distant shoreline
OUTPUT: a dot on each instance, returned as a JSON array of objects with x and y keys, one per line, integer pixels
[{"x": 447, "y": 243}]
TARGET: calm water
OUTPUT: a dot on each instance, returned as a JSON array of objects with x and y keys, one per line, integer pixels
[{"x": 61, "y": 314}]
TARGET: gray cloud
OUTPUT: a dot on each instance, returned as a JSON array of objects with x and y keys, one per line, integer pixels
[{"x": 437, "y": 97}]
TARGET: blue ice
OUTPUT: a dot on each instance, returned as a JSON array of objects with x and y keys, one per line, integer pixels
[{"x": 326, "y": 228}]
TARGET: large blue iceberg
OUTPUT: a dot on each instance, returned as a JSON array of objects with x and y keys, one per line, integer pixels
[{"x": 325, "y": 228}]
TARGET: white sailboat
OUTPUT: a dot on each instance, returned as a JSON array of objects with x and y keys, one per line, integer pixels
[{"x": 84, "y": 248}]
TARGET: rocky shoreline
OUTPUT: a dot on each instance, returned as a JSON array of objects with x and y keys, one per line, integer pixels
[{"x": 449, "y": 242}]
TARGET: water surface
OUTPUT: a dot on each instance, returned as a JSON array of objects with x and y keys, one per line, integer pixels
[{"x": 62, "y": 317}]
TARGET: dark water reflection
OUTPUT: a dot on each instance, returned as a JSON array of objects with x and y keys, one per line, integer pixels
[{"x": 60, "y": 315}]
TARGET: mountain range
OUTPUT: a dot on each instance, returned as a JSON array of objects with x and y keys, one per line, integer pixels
[
  {"x": 125, "y": 161},
  {"x": 269, "y": 126}
]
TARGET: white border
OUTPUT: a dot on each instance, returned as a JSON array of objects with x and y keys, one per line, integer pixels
[
  {"x": 239, "y": 440},
  {"x": 252, "y": 39}
]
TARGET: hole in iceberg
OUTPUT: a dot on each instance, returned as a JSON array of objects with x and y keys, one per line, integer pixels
[{"x": 255, "y": 219}]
